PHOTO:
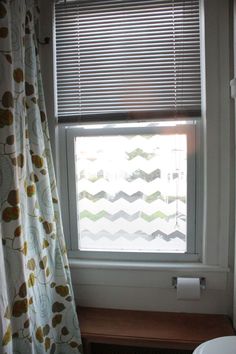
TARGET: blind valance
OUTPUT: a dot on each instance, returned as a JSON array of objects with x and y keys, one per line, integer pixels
[{"x": 132, "y": 59}]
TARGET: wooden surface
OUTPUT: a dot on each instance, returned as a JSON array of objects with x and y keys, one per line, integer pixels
[{"x": 150, "y": 329}]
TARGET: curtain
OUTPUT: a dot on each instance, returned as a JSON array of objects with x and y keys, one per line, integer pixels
[{"x": 37, "y": 312}]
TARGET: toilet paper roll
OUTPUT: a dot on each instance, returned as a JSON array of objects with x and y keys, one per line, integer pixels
[{"x": 188, "y": 288}]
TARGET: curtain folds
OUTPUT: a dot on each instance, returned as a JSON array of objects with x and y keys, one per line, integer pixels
[{"x": 37, "y": 313}]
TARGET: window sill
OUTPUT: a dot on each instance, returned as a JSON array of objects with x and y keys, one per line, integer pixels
[
  {"x": 114, "y": 283},
  {"x": 159, "y": 266}
]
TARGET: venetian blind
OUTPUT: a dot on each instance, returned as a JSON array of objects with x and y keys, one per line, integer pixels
[{"x": 135, "y": 59}]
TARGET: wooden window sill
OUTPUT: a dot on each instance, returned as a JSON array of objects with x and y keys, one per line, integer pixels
[{"x": 150, "y": 329}]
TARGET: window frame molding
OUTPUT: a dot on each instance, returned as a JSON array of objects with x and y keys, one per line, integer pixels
[
  {"x": 68, "y": 134},
  {"x": 215, "y": 131}
]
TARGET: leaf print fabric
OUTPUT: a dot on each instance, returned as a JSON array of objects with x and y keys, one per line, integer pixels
[{"x": 37, "y": 313}]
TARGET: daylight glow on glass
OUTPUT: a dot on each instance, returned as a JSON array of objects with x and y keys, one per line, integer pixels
[{"x": 132, "y": 192}]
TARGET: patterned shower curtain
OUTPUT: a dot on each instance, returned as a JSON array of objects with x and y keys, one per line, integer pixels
[{"x": 37, "y": 313}]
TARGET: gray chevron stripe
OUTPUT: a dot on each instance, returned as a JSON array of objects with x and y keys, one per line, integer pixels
[
  {"x": 114, "y": 217},
  {"x": 139, "y": 152},
  {"x": 100, "y": 175},
  {"x": 128, "y": 217},
  {"x": 121, "y": 195},
  {"x": 147, "y": 177},
  {"x": 131, "y": 237},
  {"x": 175, "y": 234}
]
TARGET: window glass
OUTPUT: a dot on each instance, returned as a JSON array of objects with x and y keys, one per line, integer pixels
[{"x": 132, "y": 192}]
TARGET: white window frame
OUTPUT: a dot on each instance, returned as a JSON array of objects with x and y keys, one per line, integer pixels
[{"x": 69, "y": 133}]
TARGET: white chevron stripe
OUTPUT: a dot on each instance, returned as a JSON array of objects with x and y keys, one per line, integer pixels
[
  {"x": 148, "y": 145},
  {"x": 129, "y": 166},
  {"x": 132, "y": 208},
  {"x": 140, "y": 244},
  {"x": 131, "y": 227},
  {"x": 130, "y": 187},
  {"x": 147, "y": 166}
]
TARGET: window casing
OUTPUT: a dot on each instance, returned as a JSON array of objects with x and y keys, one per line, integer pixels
[{"x": 68, "y": 136}]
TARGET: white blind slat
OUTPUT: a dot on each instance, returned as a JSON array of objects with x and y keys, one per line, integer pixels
[{"x": 127, "y": 56}]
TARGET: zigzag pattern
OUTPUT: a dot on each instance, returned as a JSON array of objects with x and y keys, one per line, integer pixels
[
  {"x": 148, "y": 228},
  {"x": 141, "y": 205},
  {"x": 119, "y": 186},
  {"x": 136, "y": 235},
  {"x": 123, "y": 215},
  {"x": 122, "y": 195},
  {"x": 136, "y": 193},
  {"x": 136, "y": 174}
]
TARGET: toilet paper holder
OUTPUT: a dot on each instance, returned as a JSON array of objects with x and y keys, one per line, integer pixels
[{"x": 202, "y": 282}]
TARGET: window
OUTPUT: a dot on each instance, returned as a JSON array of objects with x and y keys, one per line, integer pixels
[
  {"x": 128, "y": 187},
  {"x": 131, "y": 69}
]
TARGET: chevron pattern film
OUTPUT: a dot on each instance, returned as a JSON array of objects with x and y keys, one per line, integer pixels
[{"x": 131, "y": 192}]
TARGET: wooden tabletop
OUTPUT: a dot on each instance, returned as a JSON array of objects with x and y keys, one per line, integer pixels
[{"x": 151, "y": 329}]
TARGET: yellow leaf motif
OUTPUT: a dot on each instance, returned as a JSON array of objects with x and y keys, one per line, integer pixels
[
  {"x": 26, "y": 324},
  {"x": 43, "y": 262},
  {"x": 10, "y": 213},
  {"x": 25, "y": 248},
  {"x": 18, "y": 231},
  {"x": 7, "y": 336},
  {"x": 47, "y": 343},
  {"x": 21, "y": 161},
  {"x": 74, "y": 344},
  {"x": 31, "y": 280},
  {"x": 64, "y": 331},
  {"x": 10, "y": 140},
  {"x": 31, "y": 264},
  {"x": 8, "y": 100},
  {"x": 45, "y": 243},
  {"x": 39, "y": 334},
  {"x": 56, "y": 320},
  {"x": 23, "y": 290},
  {"x": 7, "y": 313},
  {"x": 46, "y": 329},
  {"x": 41, "y": 265},
  {"x": 13, "y": 197},
  {"x": 31, "y": 190},
  {"x": 48, "y": 227},
  {"x": 37, "y": 161},
  {"x": 18, "y": 75},
  {"x": 58, "y": 307},
  {"x": 62, "y": 290},
  {"x": 20, "y": 307}
]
